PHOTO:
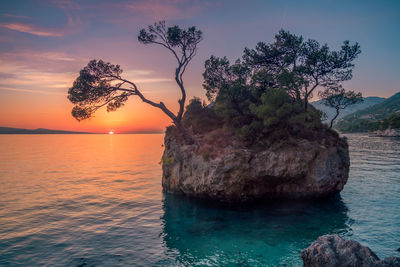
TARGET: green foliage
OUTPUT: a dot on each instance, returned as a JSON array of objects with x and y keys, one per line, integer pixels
[
  {"x": 358, "y": 126},
  {"x": 223, "y": 80},
  {"x": 167, "y": 161},
  {"x": 282, "y": 116},
  {"x": 338, "y": 98},
  {"x": 378, "y": 117},
  {"x": 394, "y": 121},
  {"x": 276, "y": 108},
  {"x": 300, "y": 66},
  {"x": 199, "y": 118},
  {"x": 171, "y": 37},
  {"x": 264, "y": 96},
  {"x": 277, "y": 116},
  {"x": 391, "y": 122}
]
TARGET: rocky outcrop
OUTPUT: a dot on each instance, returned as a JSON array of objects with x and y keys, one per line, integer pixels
[
  {"x": 231, "y": 173},
  {"x": 332, "y": 251}
]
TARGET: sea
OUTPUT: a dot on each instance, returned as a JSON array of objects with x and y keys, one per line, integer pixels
[{"x": 97, "y": 200}]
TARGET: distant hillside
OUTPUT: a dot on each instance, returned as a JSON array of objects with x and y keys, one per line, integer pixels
[
  {"x": 8, "y": 130},
  {"x": 330, "y": 112},
  {"x": 377, "y": 117}
]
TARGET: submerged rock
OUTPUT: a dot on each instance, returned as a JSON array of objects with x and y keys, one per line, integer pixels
[
  {"x": 332, "y": 251},
  {"x": 233, "y": 173}
]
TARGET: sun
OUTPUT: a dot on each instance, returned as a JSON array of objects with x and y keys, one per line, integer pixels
[{"x": 111, "y": 132}]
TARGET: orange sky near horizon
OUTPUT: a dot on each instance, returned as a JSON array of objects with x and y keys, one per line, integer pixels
[
  {"x": 53, "y": 111},
  {"x": 36, "y": 96}
]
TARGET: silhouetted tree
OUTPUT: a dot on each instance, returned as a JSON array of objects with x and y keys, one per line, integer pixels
[
  {"x": 338, "y": 98},
  {"x": 101, "y": 84},
  {"x": 300, "y": 66}
]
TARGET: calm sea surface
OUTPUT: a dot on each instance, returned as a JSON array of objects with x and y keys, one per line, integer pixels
[{"x": 96, "y": 200}]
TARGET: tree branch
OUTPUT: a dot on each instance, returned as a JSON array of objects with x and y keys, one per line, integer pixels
[{"x": 160, "y": 105}]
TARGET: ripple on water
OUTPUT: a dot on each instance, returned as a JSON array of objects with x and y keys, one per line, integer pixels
[{"x": 63, "y": 205}]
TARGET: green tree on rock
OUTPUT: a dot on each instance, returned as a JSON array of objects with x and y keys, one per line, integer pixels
[{"x": 267, "y": 91}]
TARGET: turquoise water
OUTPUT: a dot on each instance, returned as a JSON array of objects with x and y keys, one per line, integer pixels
[{"x": 96, "y": 200}]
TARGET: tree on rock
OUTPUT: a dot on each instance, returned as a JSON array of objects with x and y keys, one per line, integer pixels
[
  {"x": 338, "y": 98},
  {"x": 263, "y": 96},
  {"x": 300, "y": 66},
  {"x": 101, "y": 84}
]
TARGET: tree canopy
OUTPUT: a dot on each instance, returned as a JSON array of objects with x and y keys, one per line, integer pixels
[
  {"x": 290, "y": 63},
  {"x": 267, "y": 90},
  {"x": 263, "y": 93}
]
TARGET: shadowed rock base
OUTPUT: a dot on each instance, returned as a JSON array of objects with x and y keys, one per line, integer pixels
[
  {"x": 301, "y": 169},
  {"x": 331, "y": 250}
]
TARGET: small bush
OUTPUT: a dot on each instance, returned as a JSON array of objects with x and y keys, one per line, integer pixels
[
  {"x": 200, "y": 118},
  {"x": 167, "y": 161}
]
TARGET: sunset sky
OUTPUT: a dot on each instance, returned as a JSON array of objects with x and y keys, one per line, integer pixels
[{"x": 44, "y": 44}]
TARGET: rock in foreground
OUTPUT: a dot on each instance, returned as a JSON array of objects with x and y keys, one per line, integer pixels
[
  {"x": 331, "y": 250},
  {"x": 233, "y": 173}
]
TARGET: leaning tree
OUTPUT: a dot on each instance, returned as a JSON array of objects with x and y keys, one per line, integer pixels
[
  {"x": 100, "y": 84},
  {"x": 338, "y": 98}
]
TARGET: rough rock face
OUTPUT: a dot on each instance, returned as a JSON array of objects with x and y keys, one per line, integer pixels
[
  {"x": 331, "y": 250},
  {"x": 308, "y": 169}
]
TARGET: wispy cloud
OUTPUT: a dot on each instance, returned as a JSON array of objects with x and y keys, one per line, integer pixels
[
  {"x": 24, "y": 55},
  {"x": 56, "y": 56},
  {"x": 14, "y": 16},
  {"x": 52, "y": 75},
  {"x": 73, "y": 24},
  {"x": 32, "y": 29},
  {"x": 32, "y": 91},
  {"x": 20, "y": 77},
  {"x": 38, "y": 79}
]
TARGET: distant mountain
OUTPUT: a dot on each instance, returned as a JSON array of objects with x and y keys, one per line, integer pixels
[
  {"x": 8, "y": 130},
  {"x": 380, "y": 116},
  {"x": 330, "y": 112}
]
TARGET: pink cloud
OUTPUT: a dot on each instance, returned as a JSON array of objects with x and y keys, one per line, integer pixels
[
  {"x": 153, "y": 9},
  {"x": 161, "y": 9},
  {"x": 32, "y": 29},
  {"x": 73, "y": 24}
]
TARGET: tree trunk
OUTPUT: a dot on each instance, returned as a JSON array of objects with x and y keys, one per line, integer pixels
[
  {"x": 305, "y": 104},
  {"x": 334, "y": 118}
]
